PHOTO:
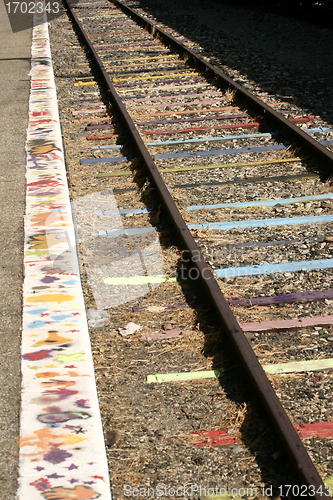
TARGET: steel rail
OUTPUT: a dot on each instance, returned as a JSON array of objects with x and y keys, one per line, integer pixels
[
  {"x": 302, "y": 464},
  {"x": 244, "y": 97}
]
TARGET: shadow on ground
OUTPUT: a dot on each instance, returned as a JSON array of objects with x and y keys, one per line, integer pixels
[
  {"x": 252, "y": 424},
  {"x": 278, "y": 53}
]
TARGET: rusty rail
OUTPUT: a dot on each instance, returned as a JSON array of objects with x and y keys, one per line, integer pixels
[
  {"x": 244, "y": 97},
  {"x": 303, "y": 466}
]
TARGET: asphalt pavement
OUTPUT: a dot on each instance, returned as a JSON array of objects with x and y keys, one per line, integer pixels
[{"x": 14, "y": 99}]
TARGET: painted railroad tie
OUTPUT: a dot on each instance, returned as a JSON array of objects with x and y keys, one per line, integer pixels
[{"x": 273, "y": 369}]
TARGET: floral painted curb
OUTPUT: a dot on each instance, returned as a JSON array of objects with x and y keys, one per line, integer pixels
[{"x": 62, "y": 450}]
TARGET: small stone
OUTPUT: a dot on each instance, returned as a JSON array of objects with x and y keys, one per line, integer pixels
[
  {"x": 129, "y": 329},
  {"x": 156, "y": 309},
  {"x": 168, "y": 326},
  {"x": 112, "y": 436},
  {"x": 98, "y": 318},
  {"x": 237, "y": 449}
]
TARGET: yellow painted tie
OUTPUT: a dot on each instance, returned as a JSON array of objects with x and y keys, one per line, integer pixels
[
  {"x": 202, "y": 167},
  {"x": 133, "y": 59},
  {"x": 156, "y": 77},
  {"x": 160, "y": 77}
]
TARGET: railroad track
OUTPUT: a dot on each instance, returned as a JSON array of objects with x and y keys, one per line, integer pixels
[{"x": 205, "y": 229}]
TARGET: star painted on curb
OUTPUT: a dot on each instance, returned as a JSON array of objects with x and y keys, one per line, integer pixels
[
  {"x": 72, "y": 466},
  {"x": 73, "y": 480},
  {"x": 82, "y": 403},
  {"x": 98, "y": 477},
  {"x": 80, "y": 431},
  {"x": 53, "y": 476},
  {"x": 35, "y": 367},
  {"x": 76, "y": 356}
]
